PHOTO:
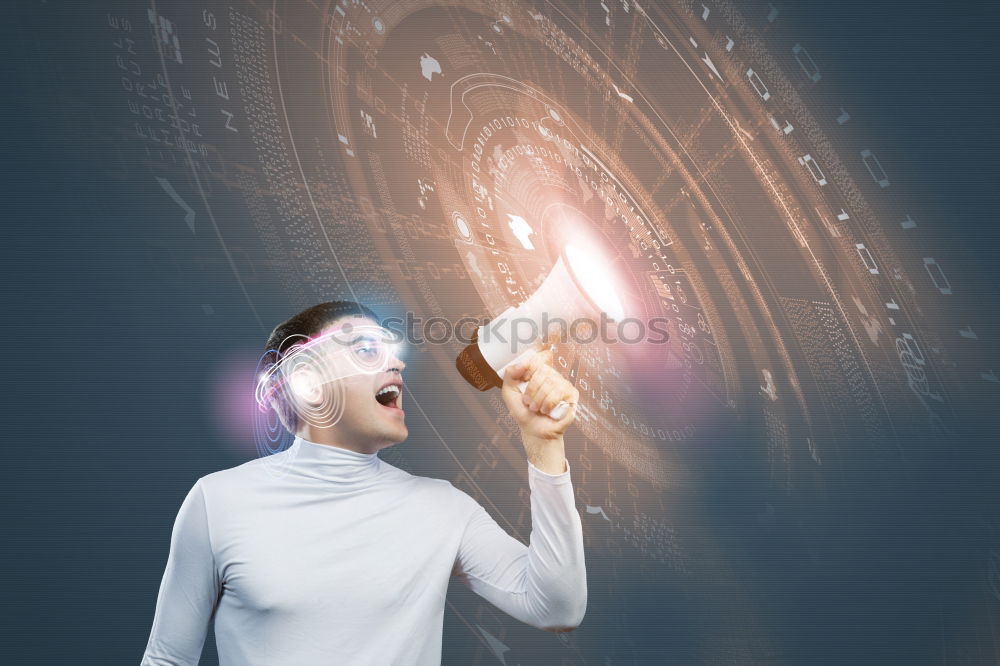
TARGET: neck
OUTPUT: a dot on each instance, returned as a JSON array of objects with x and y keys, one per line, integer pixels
[
  {"x": 330, "y": 463},
  {"x": 330, "y": 437}
]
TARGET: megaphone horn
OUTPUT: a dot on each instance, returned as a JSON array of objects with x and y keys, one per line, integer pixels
[{"x": 579, "y": 286}]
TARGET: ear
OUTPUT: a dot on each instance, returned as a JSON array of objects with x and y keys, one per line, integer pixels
[
  {"x": 281, "y": 410},
  {"x": 306, "y": 384}
]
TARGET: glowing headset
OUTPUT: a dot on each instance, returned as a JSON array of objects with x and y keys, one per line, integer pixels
[{"x": 296, "y": 378}]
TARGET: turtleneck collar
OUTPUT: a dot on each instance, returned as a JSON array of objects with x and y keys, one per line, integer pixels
[{"x": 333, "y": 463}]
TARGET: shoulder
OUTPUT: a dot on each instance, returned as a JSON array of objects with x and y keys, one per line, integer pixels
[
  {"x": 440, "y": 490},
  {"x": 239, "y": 479}
]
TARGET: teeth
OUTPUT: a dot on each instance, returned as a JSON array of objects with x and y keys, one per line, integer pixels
[{"x": 388, "y": 389}]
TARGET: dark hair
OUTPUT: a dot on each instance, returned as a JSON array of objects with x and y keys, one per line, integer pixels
[{"x": 294, "y": 331}]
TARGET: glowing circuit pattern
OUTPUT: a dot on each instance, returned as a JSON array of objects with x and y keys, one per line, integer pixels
[{"x": 440, "y": 154}]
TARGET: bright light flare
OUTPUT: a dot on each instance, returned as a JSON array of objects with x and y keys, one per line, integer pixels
[{"x": 591, "y": 271}]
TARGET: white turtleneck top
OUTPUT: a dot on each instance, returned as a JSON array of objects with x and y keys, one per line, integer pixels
[{"x": 321, "y": 555}]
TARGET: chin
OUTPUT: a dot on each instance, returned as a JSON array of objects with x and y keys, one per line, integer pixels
[{"x": 396, "y": 436}]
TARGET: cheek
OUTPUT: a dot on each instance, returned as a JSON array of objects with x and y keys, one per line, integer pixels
[{"x": 358, "y": 394}]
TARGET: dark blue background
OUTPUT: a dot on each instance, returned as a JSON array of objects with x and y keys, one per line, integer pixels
[{"x": 107, "y": 414}]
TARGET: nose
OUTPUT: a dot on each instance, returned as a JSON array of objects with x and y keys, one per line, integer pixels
[{"x": 396, "y": 365}]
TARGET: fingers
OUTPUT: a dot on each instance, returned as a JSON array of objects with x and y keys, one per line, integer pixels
[
  {"x": 538, "y": 387},
  {"x": 520, "y": 371},
  {"x": 515, "y": 372},
  {"x": 561, "y": 415},
  {"x": 514, "y": 399},
  {"x": 556, "y": 393},
  {"x": 547, "y": 388},
  {"x": 545, "y": 348},
  {"x": 561, "y": 391},
  {"x": 525, "y": 370}
]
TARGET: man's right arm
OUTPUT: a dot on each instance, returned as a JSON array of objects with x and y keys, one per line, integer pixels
[{"x": 189, "y": 590}]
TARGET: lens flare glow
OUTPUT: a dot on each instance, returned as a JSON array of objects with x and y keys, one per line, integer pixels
[{"x": 591, "y": 272}]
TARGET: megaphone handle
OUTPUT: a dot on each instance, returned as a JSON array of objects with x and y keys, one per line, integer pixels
[{"x": 556, "y": 412}]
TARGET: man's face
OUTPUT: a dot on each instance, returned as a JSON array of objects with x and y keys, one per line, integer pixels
[{"x": 364, "y": 380}]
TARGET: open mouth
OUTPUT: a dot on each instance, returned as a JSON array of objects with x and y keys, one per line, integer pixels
[{"x": 390, "y": 396}]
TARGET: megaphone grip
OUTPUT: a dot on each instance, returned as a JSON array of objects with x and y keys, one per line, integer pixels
[{"x": 556, "y": 412}]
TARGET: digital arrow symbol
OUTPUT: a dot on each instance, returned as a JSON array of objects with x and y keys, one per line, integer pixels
[
  {"x": 188, "y": 211},
  {"x": 496, "y": 645},
  {"x": 708, "y": 61}
]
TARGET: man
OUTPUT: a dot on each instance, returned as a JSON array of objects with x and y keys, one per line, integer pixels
[{"x": 325, "y": 554}]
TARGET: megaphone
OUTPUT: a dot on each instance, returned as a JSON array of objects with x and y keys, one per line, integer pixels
[{"x": 579, "y": 287}]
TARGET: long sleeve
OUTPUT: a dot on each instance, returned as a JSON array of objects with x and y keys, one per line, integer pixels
[
  {"x": 189, "y": 590},
  {"x": 543, "y": 584}
]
